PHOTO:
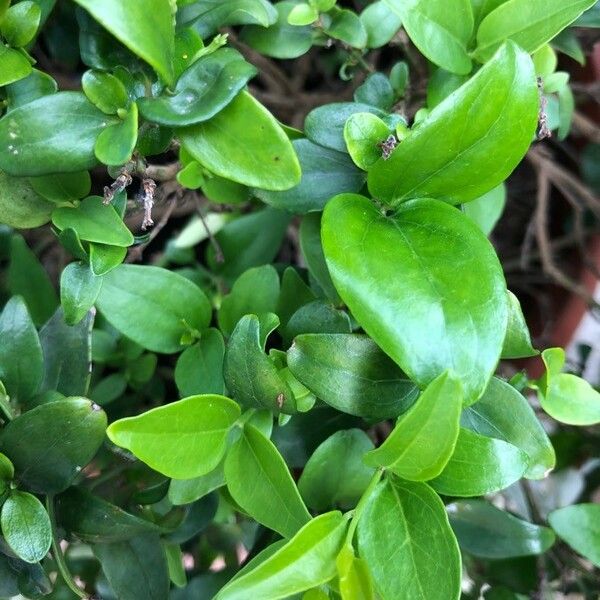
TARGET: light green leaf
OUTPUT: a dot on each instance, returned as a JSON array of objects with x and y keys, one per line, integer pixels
[
  {"x": 487, "y": 210},
  {"x": 79, "y": 288},
  {"x": 14, "y": 66},
  {"x": 20, "y": 22},
  {"x": 303, "y": 14},
  {"x": 345, "y": 25},
  {"x": 144, "y": 26},
  {"x": 186, "y": 491},
  {"x": 116, "y": 143},
  {"x": 104, "y": 258},
  {"x": 405, "y": 538},
  {"x": 363, "y": 133},
  {"x": 517, "y": 343},
  {"x": 184, "y": 439},
  {"x": 354, "y": 577},
  {"x": 471, "y": 141},
  {"x": 260, "y": 482},
  {"x": 246, "y": 144},
  {"x": 105, "y": 91},
  {"x": 424, "y": 437},
  {"x": 153, "y": 306},
  {"x": 579, "y": 526},
  {"x": 381, "y": 24},
  {"x": 409, "y": 303}
]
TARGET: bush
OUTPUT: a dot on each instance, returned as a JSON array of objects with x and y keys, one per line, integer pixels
[{"x": 273, "y": 369}]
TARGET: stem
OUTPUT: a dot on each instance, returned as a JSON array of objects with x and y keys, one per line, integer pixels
[
  {"x": 361, "y": 505},
  {"x": 59, "y": 556}
]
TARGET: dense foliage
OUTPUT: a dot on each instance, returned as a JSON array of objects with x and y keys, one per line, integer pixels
[{"x": 301, "y": 396}]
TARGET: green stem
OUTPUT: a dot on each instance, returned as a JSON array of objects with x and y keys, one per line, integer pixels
[
  {"x": 361, "y": 505},
  {"x": 59, "y": 557}
]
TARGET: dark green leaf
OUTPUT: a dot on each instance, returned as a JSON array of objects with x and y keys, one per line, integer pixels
[
  {"x": 294, "y": 294},
  {"x": 79, "y": 288},
  {"x": 62, "y": 187},
  {"x": 20, "y": 205},
  {"x": 346, "y": 27},
  {"x": 578, "y": 525}
]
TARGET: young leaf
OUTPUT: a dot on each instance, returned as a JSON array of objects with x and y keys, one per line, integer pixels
[
  {"x": 15, "y": 67},
  {"x": 19, "y": 23},
  {"x": 306, "y": 561},
  {"x": 381, "y": 24},
  {"x": 20, "y": 205},
  {"x": 487, "y": 210},
  {"x": 79, "y": 288},
  {"x": 363, "y": 134},
  {"x": 443, "y": 158},
  {"x": 423, "y": 439},
  {"x": 104, "y": 257},
  {"x": 405, "y": 538},
  {"x": 517, "y": 343},
  {"x": 105, "y": 91},
  {"x": 244, "y": 143},
  {"x": 440, "y": 29},
  {"x": 153, "y": 306},
  {"x": 398, "y": 276},
  {"x": 350, "y": 373},
  {"x": 184, "y": 439},
  {"x": 579, "y": 526},
  {"x": 259, "y": 481},
  {"x": 26, "y": 526},
  {"x": 49, "y": 445},
  {"x": 485, "y": 531},
  {"x": 480, "y": 465},
  {"x": 145, "y": 27},
  {"x": 354, "y": 576},
  {"x": 116, "y": 143}
]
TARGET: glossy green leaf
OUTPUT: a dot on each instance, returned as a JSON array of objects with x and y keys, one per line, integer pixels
[
  {"x": 199, "y": 369},
  {"x": 306, "y": 561},
  {"x": 246, "y": 144},
  {"x": 79, "y": 288},
  {"x": 26, "y": 526},
  {"x": 105, "y": 91},
  {"x": 184, "y": 439},
  {"x": 7, "y": 469},
  {"x": 116, "y": 143},
  {"x": 505, "y": 414},
  {"x": 579, "y": 526},
  {"x": 104, "y": 258},
  {"x": 146, "y": 28},
  {"x": 186, "y": 491},
  {"x": 29, "y": 133},
  {"x": 20, "y": 205},
  {"x": 485, "y": 531},
  {"x": 62, "y": 187},
  {"x": 20, "y": 22},
  {"x": 482, "y": 8},
  {"x": 325, "y": 173},
  {"x": 294, "y": 294},
  {"x": 32, "y": 87},
  {"x": 346, "y": 27},
  {"x": 335, "y": 475},
  {"x": 381, "y": 24},
  {"x": 136, "y": 569},
  {"x": 444, "y": 159},
  {"x": 13, "y": 64},
  {"x": 423, "y": 439},
  {"x": 153, "y": 306},
  {"x": 303, "y": 14},
  {"x": 94, "y": 520},
  {"x": 363, "y": 133},
  {"x": 440, "y": 29},
  {"x": 50, "y": 444},
  {"x": 204, "y": 89},
  {"x": 317, "y": 317},
  {"x": 355, "y": 580},
  {"x": 415, "y": 285},
  {"x": 566, "y": 397},
  {"x": 259, "y": 481},
  {"x": 529, "y": 23},
  {"x": 94, "y": 221},
  {"x": 487, "y": 210},
  {"x": 350, "y": 373},
  {"x": 21, "y": 363},
  {"x": 480, "y": 465},
  {"x": 405, "y": 538}
]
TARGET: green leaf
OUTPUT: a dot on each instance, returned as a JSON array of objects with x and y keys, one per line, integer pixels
[
  {"x": 405, "y": 538},
  {"x": 303, "y": 14},
  {"x": 116, "y": 143},
  {"x": 104, "y": 258},
  {"x": 350, "y": 373},
  {"x": 26, "y": 526},
  {"x": 363, "y": 133},
  {"x": 186, "y": 491},
  {"x": 20, "y": 205},
  {"x": 256, "y": 291},
  {"x": 566, "y": 397},
  {"x": 50, "y": 444},
  {"x": 487, "y": 210},
  {"x": 444, "y": 159},
  {"x": 7, "y": 469},
  {"x": 105, "y": 91},
  {"x": 62, "y": 187},
  {"x": 480, "y": 465},
  {"x": 153, "y": 306},
  {"x": 79, "y": 288},
  {"x": 440, "y": 29},
  {"x": 184, "y": 439},
  {"x": 423, "y": 439},
  {"x": 294, "y": 294},
  {"x": 136, "y": 569},
  {"x": 145, "y": 27},
  {"x": 485, "y": 531},
  {"x": 259, "y": 481},
  {"x": 250, "y": 375},
  {"x": 94, "y": 221},
  {"x": 94, "y": 520},
  {"x": 381, "y": 24},
  {"x": 578, "y": 525},
  {"x": 20, "y": 22},
  {"x": 306, "y": 561},
  {"x": 409, "y": 303},
  {"x": 347, "y": 27},
  {"x": 335, "y": 475},
  {"x": 203, "y": 90},
  {"x": 317, "y": 317},
  {"x": 325, "y": 173},
  {"x": 14, "y": 67},
  {"x": 246, "y": 144},
  {"x": 354, "y": 577},
  {"x": 505, "y": 414},
  {"x": 21, "y": 362},
  {"x": 29, "y": 132},
  {"x": 32, "y": 87},
  {"x": 279, "y": 40},
  {"x": 529, "y": 23},
  {"x": 199, "y": 368}
]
